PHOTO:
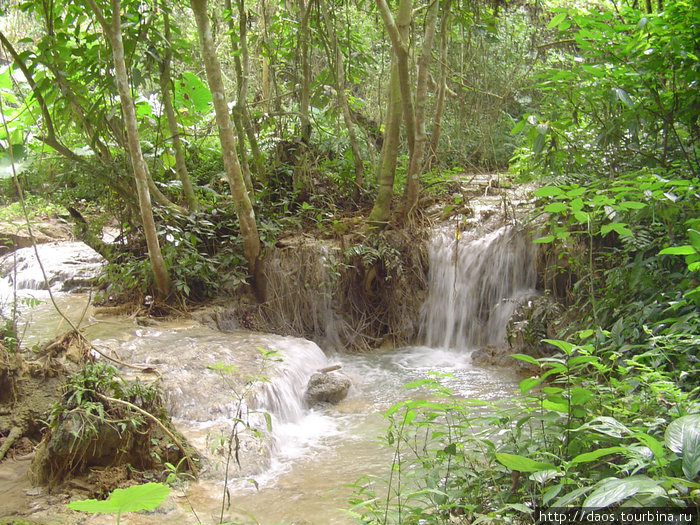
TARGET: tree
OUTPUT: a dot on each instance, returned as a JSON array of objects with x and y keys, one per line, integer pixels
[
  {"x": 165, "y": 81},
  {"x": 242, "y": 204},
  {"x": 112, "y": 28},
  {"x": 413, "y": 114}
]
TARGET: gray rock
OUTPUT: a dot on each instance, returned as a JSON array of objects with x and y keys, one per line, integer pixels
[{"x": 327, "y": 388}]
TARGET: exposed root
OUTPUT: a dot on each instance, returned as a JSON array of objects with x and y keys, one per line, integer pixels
[
  {"x": 177, "y": 442},
  {"x": 10, "y": 440}
]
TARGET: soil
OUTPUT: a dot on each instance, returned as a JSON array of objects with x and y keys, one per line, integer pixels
[{"x": 42, "y": 469}]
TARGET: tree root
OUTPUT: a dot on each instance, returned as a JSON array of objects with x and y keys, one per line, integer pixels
[
  {"x": 177, "y": 442},
  {"x": 12, "y": 437}
]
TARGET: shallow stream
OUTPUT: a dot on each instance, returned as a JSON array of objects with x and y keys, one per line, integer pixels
[{"x": 303, "y": 469}]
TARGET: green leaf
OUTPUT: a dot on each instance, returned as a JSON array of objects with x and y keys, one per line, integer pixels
[
  {"x": 544, "y": 240},
  {"x": 538, "y": 143},
  {"x": 623, "y": 97},
  {"x": 683, "y": 437},
  {"x": 526, "y": 358},
  {"x": 613, "y": 490},
  {"x": 564, "y": 346},
  {"x": 193, "y": 92},
  {"x": 592, "y": 456},
  {"x": 632, "y": 205},
  {"x": 678, "y": 250},
  {"x": 528, "y": 384},
  {"x": 652, "y": 443},
  {"x": 132, "y": 499},
  {"x": 547, "y": 191},
  {"x": 556, "y": 20},
  {"x": 521, "y": 463},
  {"x": 619, "y": 227},
  {"x": 556, "y": 207},
  {"x": 557, "y": 406}
]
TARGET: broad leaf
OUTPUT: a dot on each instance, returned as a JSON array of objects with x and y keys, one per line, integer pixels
[
  {"x": 595, "y": 454},
  {"x": 613, "y": 490},
  {"x": 556, "y": 207},
  {"x": 678, "y": 250},
  {"x": 132, "y": 499},
  {"x": 683, "y": 437},
  {"x": 521, "y": 463},
  {"x": 547, "y": 191}
]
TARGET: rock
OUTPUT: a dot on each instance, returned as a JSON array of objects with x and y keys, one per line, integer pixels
[
  {"x": 327, "y": 388},
  {"x": 15, "y": 235}
]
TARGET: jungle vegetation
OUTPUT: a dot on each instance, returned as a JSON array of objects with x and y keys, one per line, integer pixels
[{"x": 203, "y": 130}]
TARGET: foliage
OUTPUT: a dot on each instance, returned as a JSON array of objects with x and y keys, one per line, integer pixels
[
  {"x": 571, "y": 437},
  {"x": 83, "y": 399},
  {"x": 132, "y": 499},
  {"x": 612, "y": 417},
  {"x": 622, "y": 95}
]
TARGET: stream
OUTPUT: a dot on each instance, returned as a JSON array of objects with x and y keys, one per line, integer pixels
[{"x": 302, "y": 469}]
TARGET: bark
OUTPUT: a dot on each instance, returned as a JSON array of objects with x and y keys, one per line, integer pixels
[
  {"x": 416, "y": 159},
  {"x": 244, "y": 209},
  {"x": 113, "y": 31},
  {"x": 398, "y": 34},
  {"x": 305, "y": 81},
  {"x": 165, "y": 83},
  {"x": 343, "y": 103},
  {"x": 381, "y": 210},
  {"x": 244, "y": 126},
  {"x": 442, "y": 86}
]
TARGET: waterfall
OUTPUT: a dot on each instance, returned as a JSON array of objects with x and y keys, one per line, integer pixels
[
  {"x": 68, "y": 266},
  {"x": 475, "y": 286}
]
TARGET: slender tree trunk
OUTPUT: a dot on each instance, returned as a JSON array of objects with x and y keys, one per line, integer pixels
[
  {"x": 113, "y": 32},
  {"x": 305, "y": 88},
  {"x": 242, "y": 68},
  {"x": 415, "y": 165},
  {"x": 265, "y": 72},
  {"x": 414, "y": 118},
  {"x": 442, "y": 86},
  {"x": 244, "y": 209},
  {"x": 381, "y": 210},
  {"x": 343, "y": 102},
  {"x": 239, "y": 104},
  {"x": 180, "y": 167}
]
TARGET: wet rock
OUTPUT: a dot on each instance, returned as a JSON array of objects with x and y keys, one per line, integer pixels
[
  {"x": 16, "y": 235},
  {"x": 327, "y": 388},
  {"x": 69, "y": 266}
]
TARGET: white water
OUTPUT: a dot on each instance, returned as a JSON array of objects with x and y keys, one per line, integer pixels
[
  {"x": 303, "y": 466},
  {"x": 475, "y": 286}
]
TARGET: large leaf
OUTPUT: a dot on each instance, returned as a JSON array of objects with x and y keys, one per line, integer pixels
[
  {"x": 613, "y": 490},
  {"x": 683, "y": 437},
  {"x": 595, "y": 454},
  {"x": 521, "y": 463},
  {"x": 132, "y": 499}
]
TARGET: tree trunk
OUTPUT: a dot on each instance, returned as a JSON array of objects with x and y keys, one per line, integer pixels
[
  {"x": 442, "y": 86},
  {"x": 415, "y": 165},
  {"x": 180, "y": 167},
  {"x": 381, "y": 210},
  {"x": 343, "y": 103},
  {"x": 305, "y": 88},
  {"x": 113, "y": 32},
  {"x": 244, "y": 209},
  {"x": 414, "y": 118},
  {"x": 239, "y": 105},
  {"x": 242, "y": 63}
]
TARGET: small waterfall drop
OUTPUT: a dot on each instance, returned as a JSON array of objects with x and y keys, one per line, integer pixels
[{"x": 475, "y": 286}]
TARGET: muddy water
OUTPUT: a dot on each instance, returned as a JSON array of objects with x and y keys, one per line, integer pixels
[
  {"x": 309, "y": 458},
  {"x": 303, "y": 466}
]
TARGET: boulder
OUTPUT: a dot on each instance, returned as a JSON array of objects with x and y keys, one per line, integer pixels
[{"x": 329, "y": 387}]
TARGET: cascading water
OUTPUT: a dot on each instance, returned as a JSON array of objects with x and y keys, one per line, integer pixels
[
  {"x": 311, "y": 454},
  {"x": 475, "y": 286}
]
